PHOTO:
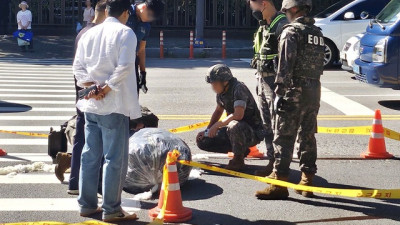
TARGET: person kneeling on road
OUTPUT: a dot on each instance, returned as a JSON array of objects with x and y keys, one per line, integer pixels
[{"x": 242, "y": 128}]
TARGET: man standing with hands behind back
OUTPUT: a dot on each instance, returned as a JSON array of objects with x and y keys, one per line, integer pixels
[{"x": 104, "y": 58}]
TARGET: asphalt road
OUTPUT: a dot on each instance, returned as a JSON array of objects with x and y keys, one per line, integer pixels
[{"x": 178, "y": 94}]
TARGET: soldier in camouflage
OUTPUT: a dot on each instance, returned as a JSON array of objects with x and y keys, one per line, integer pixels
[
  {"x": 242, "y": 128},
  {"x": 265, "y": 52},
  {"x": 298, "y": 93}
]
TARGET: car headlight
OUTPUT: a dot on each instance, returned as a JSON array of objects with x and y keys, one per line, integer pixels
[
  {"x": 379, "y": 53},
  {"x": 346, "y": 47}
]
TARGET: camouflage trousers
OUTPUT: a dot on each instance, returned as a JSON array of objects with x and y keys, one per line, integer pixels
[
  {"x": 298, "y": 118},
  {"x": 237, "y": 137},
  {"x": 266, "y": 95}
]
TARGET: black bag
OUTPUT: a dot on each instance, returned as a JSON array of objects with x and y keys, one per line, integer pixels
[
  {"x": 148, "y": 119},
  {"x": 57, "y": 142}
]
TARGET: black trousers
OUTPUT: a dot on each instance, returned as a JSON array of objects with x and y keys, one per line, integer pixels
[{"x": 3, "y": 26}]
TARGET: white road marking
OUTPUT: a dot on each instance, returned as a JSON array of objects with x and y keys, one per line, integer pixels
[
  {"x": 37, "y": 102},
  {"x": 36, "y": 85},
  {"x": 23, "y": 109},
  {"x": 388, "y": 95},
  {"x": 38, "y": 90},
  {"x": 343, "y": 104},
  {"x": 28, "y": 128},
  {"x": 245, "y": 60},
  {"x": 37, "y": 81},
  {"x": 55, "y": 204},
  {"x": 30, "y": 118},
  {"x": 20, "y": 141},
  {"x": 35, "y": 77},
  {"x": 28, "y": 157},
  {"x": 32, "y": 179},
  {"x": 37, "y": 96}
]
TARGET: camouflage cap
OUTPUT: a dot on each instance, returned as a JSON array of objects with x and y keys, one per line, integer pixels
[
  {"x": 218, "y": 72},
  {"x": 288, "y": 4}
]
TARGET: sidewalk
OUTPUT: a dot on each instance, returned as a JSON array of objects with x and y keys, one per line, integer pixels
[{"x": 46, "y": 47}]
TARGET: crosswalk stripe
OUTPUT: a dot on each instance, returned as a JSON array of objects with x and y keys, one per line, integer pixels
[
  {"x": 38, "y": 90},
  {"x": 37, "y": 81},
  {"x": 20, "y": 141},
  {"x": 32, "y": 179},
  {"x": 35, "y": 78},
  {"x": 38, "y": 102},
  {"x": 36, "y": 85},
  {"x": 27, "y": 128},
  {"x": 37, "y": 96},
  {"x": 55, "y": 204},
  {"x": 23, "y": 109},
  {"x": 30, "y": 118},
  {"x": 20, "y": 157}
]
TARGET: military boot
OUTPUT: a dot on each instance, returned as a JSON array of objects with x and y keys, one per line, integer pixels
[
  {"x": 267, "y": 170},
  {"x": 236, "y": 164},
  {"x": 306, "y": 179},
  {"x": 63, "y": 163},
  {"x": 274, "y": 192}
]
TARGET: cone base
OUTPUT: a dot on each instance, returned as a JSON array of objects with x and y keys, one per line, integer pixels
[
  {"x": 183, "y": 215},
  {"x": 250, "y": 155},
  {"x": 2, "y": 152},
  {"x": 370, "y": 155}
]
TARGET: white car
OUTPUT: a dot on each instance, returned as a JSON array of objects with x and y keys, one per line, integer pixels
[
  {"x": 350, "y": 52},
  {"x": 343, "y": 20}
]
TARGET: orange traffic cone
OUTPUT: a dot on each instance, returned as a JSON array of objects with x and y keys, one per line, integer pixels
[
  {"x": 254, "y": 153},
  {"x": 377, "y": 147},
  {"x": 174, "y": 211},
  {"x": 2, "y": 152}
]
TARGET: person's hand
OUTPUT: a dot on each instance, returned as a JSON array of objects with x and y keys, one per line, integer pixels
[
  {"x": 200, "y": 136},
  {"x": 97, "y": 94},
  {"x": 214, "y": 129},
  {"x": 278, "y": 103},
  {"x": 139, "y": 126}
]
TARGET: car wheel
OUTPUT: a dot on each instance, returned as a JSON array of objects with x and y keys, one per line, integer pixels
[{"x": 331, "y": 53}]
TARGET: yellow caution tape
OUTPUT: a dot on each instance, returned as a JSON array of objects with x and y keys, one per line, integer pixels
[
  {"x": 90, "y": 222},
  {"x": 24, "y": 133},
  {"x": 363, "y": 130},
  {"x": 381, "y": 193},
  {"x": 392, "y": 134},
  {"x": 189, "y": 127}
]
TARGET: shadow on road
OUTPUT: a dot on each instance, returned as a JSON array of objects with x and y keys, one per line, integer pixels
[
  {"x": 390, "y": 104},
  {"x": 199, "y": 189},
  {"x": 372, "y": 210},
  {"x": 9, "y": 107}
]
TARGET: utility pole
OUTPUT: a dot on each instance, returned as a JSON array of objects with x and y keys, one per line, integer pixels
[{"x": 199, "y": 38}]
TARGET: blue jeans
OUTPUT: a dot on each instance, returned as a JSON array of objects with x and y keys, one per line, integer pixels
[
  {"x": 109, "y": 136},
  {"x": 79, "y": 142}
]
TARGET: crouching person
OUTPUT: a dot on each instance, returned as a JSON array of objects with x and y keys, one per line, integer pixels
[{"x": 242, "y": 128}]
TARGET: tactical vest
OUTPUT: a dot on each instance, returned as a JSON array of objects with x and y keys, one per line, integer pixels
[
  {"x": 266, "y": 45},
  {"x": 310, "y": 51}
]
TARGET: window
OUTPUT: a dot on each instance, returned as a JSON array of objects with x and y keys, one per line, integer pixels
[
  {"x": 391, "y": 13},
  {"x": 333, "y": 8},
  {"x": 372, "y": 7}
]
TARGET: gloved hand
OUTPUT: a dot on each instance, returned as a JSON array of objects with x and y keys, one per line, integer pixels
[
  {"x": 278, "y": 103},
  {"x": 142, "y": 81}
]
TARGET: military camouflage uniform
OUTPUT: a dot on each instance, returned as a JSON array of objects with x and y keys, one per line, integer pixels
[
  {"x": 265, "y": 52},
  {"x": 301, "y": 52},
  {"x": 238, "y": 136}
]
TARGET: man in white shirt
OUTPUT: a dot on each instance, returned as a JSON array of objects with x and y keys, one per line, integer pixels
[{"x": 104, "y": 57}]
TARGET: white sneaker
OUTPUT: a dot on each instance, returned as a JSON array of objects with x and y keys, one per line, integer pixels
[{"x": 73, "y": 192}]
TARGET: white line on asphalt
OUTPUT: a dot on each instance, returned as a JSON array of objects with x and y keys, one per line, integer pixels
[
  {"x": 55, "y": 204},
  {"x": 32, "y": 178},
  {"x": 343, "y": 104},
  {"x": 24, "y": 109},
  {"x": 32, "y": 73},
  {"x": 38, "y": 81},
  {"x": 35, "y": 77},
  {"x": 245, "y": 60},
  {"x": 38, "y": 90},
  {"x": 36, "y": 85},
  {"x": 27, "y": 128},
  {"x": 388, "y": 95},
  {"x": 20, "y": 141},
  {"x": 20, "y": 157},
  {"x": 37, "y": 96},
  {"x": 61, "y": 118},
  {"x": 37, "y": 102}
]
